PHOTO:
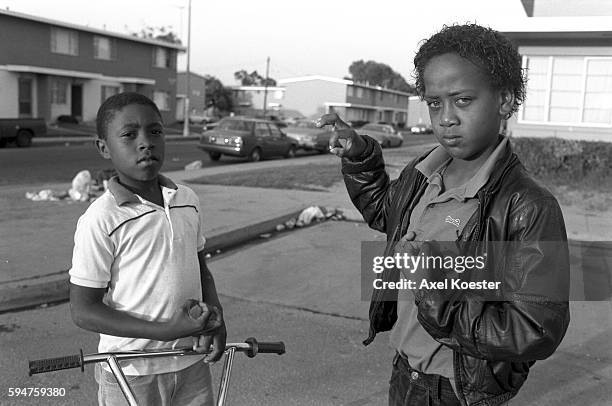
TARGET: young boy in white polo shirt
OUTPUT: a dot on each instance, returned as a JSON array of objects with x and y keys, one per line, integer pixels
[{"x": 138, "y": 265}]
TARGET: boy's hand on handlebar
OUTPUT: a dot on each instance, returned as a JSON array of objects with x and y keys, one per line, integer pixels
[
  {"x": 215, "y": 335},
  {"x": 344, "y": 142},
  {"x": 187, "y": 320}
]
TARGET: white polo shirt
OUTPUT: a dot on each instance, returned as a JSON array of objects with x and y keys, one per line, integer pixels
[{"x": 146, "y": 255}]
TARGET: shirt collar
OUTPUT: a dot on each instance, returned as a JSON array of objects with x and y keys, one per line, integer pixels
[
  {"x": 433, "y": 164},
  {"x": 123, "y": 195}
]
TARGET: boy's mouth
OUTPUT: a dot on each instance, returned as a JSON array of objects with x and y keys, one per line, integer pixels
[
  {"x": 451, "y": 139},
  {"x": 148, "y": 159}
]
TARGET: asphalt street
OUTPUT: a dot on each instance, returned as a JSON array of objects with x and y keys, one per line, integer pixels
[{"x": 60, "y": 163}]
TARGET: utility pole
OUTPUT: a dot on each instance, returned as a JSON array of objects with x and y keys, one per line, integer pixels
[
  {"x": 188, "y": 91},
  {"x": 265, "y": 106}
]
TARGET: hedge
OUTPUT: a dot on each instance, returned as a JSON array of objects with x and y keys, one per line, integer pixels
[{"x": 559, "y": 160}]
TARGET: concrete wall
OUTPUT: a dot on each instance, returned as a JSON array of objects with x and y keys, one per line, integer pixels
[
  {"x": 197, "y": 90},
  {"x": 565, "y": 132},
  {"x": 9, "y": 89}
]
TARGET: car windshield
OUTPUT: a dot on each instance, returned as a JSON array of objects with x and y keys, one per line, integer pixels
[
  {"x": 234, "y": 125},
  {"x": 371, "y": 127}
]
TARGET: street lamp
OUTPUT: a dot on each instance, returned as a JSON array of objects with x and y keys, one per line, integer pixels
[{"x": 188, "y": 89}]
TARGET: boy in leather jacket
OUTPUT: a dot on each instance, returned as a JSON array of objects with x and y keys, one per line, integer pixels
[{"x": 458, "y": 347}]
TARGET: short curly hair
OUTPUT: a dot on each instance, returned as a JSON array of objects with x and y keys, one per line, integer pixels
[
  {"x": 485, "y": 47},
  {"x": 115, "y": 103}
]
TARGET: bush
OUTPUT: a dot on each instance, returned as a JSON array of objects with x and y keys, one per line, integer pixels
[{"x": 566, "y": 161}]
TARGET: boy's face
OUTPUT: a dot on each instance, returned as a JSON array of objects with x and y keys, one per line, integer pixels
[
  {"x": 135, "y": 144},
  {"x": 465, "y": 110}
]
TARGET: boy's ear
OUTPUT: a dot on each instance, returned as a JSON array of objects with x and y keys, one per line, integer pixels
[
  {"x": 102, "y": 148},
  {"x": 506, "y": 103}
]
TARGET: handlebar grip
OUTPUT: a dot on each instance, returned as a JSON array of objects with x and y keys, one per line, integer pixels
[
  {"x": 272, "y": 348},
  {"x": 264, "y": 347},
  {"x": 55, "y": 364}
]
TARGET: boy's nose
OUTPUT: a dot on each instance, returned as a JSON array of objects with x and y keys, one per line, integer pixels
[
  {"x": 448, "y": 118},
  {"x": 146, "y": 142}
]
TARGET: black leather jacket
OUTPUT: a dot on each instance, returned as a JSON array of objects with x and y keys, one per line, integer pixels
[{"x": 494, "y": 342}]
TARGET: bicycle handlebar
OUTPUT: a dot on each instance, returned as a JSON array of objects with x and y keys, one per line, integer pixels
[
  {"x": 55, "y": 364},
  {"x": 251, "y": 347}
]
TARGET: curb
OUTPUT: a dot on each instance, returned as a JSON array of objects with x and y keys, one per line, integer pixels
[{"x": 28, "y": 293}]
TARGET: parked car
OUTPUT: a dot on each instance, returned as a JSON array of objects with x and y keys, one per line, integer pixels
[
  {"x": 386, "y": 135},
  {"x": 309, "y": 137},
  {"x": 357, "y": 123},
  {"x": 247, "y": 137},
  {"x": 421, "y": 128},
  {"x": 21, "y": 130}
]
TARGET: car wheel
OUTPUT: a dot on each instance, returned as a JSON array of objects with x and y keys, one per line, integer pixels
[
  {"x": 255, "y": 155},
  {"x": 291, "y": 152},
  {"x": 23, "y": 139},
  {"x": 214, "y": 156}
]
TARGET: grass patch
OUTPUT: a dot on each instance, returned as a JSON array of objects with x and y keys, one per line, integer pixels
[{"x": 315, "y": 177}]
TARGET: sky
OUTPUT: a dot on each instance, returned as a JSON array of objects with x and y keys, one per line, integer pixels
[{"x": 321, "y": 37}]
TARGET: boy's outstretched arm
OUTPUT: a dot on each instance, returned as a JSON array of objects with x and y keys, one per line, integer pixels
[
  {"x": 90, "y": 313},
  {"x": 209, "y": 295},
  {"x": 363, "y": 168}
]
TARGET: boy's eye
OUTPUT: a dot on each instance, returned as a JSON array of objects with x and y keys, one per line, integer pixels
[
  {"x": 157, "y": 131},
  {"x": 433, "y": 104},
  {"x": 463, "y": 101},
  {"x": 128, "y": 134}
]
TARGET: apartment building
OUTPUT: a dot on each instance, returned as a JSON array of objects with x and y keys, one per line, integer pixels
[
  {"x": 315, "y": 95},
  {"x": 52, "y": 68}
]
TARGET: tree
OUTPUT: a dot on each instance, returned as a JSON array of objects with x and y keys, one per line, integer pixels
[
  {"x": 163, "y": 33},
  {"x": 217, "y": 95},
  {"x": 253, "y": 79},
  {"x": 379, "y": 74}
]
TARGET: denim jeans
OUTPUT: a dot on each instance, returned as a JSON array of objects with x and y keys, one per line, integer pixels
[
  {"x": 190, "y": 386},
  {"x": 409, "y": 387}
]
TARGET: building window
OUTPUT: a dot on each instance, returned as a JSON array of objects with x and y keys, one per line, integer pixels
[
  {"x": 59, "y": 91},
  {"x": 360, "y": 92},
  {"x": 104, "y": 48},
  {"x": 568, "y": 90},
  {"x": 350, "y": 91},
  {"x": 598, "y": 92},
  {"x": 108, "y": 91},
  {"x": 64, "y": 41},
  {"x": 25, "y": 97},
  {"x": 161, "y": 57},
  {"x": 162, "y": 100}
]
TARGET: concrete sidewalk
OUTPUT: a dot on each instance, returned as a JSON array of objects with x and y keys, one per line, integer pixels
[{"x": 37, "y": 237}]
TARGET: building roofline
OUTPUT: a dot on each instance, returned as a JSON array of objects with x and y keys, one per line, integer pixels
[
  {"x": 258, "y": 88},
  {"x": 341, "y": 81},
  {"x": 315, "y": 77},
  {"x": 99, "y": 31},
  {"x": 580, "y": 27},
  {"x": 75, "y": 74}
]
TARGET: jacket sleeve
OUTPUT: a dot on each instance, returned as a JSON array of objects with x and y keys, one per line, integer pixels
[
  {"x": 368, "y": 185},
  {"x": 528, "y": 323}
]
